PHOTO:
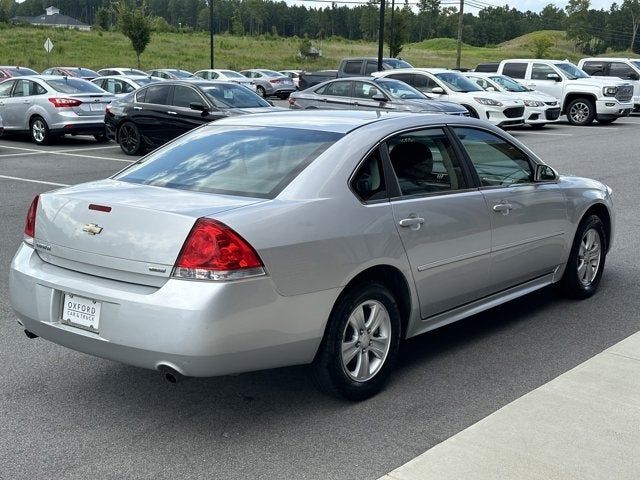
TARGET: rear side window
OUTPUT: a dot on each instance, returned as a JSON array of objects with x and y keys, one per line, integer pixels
[
  {"x": 338, "y": 89},
  {"x": 245, "y": 161},
  {"x": 73, "y": 85},
  {"x": 424, "y": 162},
  {"x": 156, "y": 94},
  {"x": 515, "y": 70},
  {"x": 594, "y": 68},
  {"x": 368, "y": 182},
  {"x": 352, "y": 67},
  {"x": 497, "y": 162}
]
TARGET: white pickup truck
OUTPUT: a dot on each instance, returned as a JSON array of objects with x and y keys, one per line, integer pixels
[{"x": 583, "y": 99}]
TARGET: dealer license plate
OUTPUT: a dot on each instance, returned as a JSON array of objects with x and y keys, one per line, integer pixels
[
  {"x": 81, "y": 312},
  {"x": 96, "y": 107}
]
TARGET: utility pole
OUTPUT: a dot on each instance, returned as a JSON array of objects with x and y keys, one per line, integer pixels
[
  {"x": 211, "y": 29},
  {"x": 381, "y": 36},
  {"x": 459, "y": 52},
  {"x": 393, "y": 27}
]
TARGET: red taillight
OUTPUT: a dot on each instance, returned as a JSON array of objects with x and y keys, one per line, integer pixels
[
  {"x": 65, "y": 102},
  {"x": 99, "y": 208},
  {"x": 213, "y": 251},
  {"x": 275, "y": 80},
  {"x": 30, "y": 222},
  {"x": 292, "y": 101}
]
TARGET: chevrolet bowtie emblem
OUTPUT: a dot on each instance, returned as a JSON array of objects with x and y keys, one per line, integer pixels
[{"x": 91, "y": 229}]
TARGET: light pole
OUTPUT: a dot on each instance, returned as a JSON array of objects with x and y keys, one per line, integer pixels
[
  {"x": 381, "y": 36},
  {"x": 393, "y": 28},
  {"x": 211, "y": 29}
]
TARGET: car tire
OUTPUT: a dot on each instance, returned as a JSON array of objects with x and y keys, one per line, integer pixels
[
  {"x": 130, "y": 140},
  {"x": 581, "y": 112},
  {"x": 39, "y": 131},
  {"x": 588, "y": 252},
  {"x": 607, "y": 121},
  {"x": 361, "y": 343},
  {"x": 261, "y": 91}
]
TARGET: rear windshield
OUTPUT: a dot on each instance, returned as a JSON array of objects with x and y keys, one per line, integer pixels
[
  {"x": 232, "y": 160},
  {"x": 231, "y": 74},
  {"x": 395, "y": 63},
  {"x": 182, "y": 73},
  {"x": 82, "y": 72},
  {"x": 73, "y": 85},
  {"x": 132, "y": 71},
  {"x": 18, "y": 72}
]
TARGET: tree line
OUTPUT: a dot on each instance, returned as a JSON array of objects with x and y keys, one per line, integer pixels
[{"x": 594, "y": 31}]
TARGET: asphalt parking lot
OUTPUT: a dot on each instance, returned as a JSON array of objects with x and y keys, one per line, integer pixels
[{"x": 68, "y": 415}]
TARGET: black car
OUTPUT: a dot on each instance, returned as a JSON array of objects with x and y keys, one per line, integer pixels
[{"x": 157, "y": 113}]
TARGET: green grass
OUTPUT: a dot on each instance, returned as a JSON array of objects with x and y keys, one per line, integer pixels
[{"x": 95, "y": 49}]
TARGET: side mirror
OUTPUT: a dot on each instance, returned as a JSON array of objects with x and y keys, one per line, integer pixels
[
  {"x": 437, "y": 90},
  {"x": 379, "y": 98},
  {"x": 554, "y": 76},
  {"x": 544, "y": 173},
  {"x": 197, "y": 106}
]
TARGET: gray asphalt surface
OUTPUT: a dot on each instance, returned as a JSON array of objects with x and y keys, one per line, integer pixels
[{"x": 68, "y": 415}]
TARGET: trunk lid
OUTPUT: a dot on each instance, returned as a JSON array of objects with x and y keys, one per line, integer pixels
[{"x": 137, "y": 241}]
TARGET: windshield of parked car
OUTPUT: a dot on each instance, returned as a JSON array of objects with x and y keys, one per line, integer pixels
[
  {"x": 399, "y": 90},
  {"x": 457, "y": 82},
  {"x": 397, "y": 63},
  {"x": 82, "y": 72},
  {"x": 509, "y": 84},
  {"x": 231, "y": 74},
  {"x": 145, "y": 81},
  {"x": 571, "y": 71},
  {"x": 635, "y": 64},
  {"x": 182, "y": 74},
  {"x": 73, "y": 85},
  {"x": 18, "y": 72},
  {"x": 232, "y": 160},
  {"x": 234, "y": 96}
]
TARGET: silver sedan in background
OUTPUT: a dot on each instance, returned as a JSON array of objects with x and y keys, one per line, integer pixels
[
  {"x": 121, "y": 85},
  {"x": 270, "y": 83},
  {"x": 266, "y": 240},
  {"x": 226, "y": 76},
  {"x": 367, "y": 93},
  {"x": 47, "y": 106}
]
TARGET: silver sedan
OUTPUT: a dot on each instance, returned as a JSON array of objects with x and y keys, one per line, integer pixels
[
  {"x": 304, "y": 237},
  {"x": 47, "y": 106}
]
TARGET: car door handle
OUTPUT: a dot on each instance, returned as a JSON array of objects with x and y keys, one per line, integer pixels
[
  {"x": 503, "y": 208},
  {"x": 137, "y": 108},
  {"x": 26, "y": 101},
  {"x": 172, "y": 113},
  {"x": 411, "y": 222}
]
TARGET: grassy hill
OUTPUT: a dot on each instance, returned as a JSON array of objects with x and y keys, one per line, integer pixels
[{"x": 95, "y": 49}]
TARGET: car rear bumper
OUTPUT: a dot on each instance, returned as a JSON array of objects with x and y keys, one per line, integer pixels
[
  {"x": 196, "y": 328},
  {"x": 77, "y": 128}
]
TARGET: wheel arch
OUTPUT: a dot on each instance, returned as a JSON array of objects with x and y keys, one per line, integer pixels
[
  {"x": 570, "y": 97},
  {"x": 602, "y": 212},
  {"x": 393, "y": 279}
]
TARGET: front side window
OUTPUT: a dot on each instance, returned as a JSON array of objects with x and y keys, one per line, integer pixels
[
  {"x": 368, "y": 182},
  {"x": 571, "y": 71},
  {"x": 366, "y": 91},
  {"x": 509, "y": 84},
  {"x": 541, "y": 71},
  {"x": 183, "y": 97},
  {"x": 352, "y": 67},
  {"x": 497, "y": 162},
  {"x": 234, "y": 96},
  {"x": 370, "y": 67},
  {"x": 399, "y": 90},
  {"x": 424, "y": 162},
  {"x": 232, "y": 160}
]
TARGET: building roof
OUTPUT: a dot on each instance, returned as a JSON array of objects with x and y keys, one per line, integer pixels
[{"x": 52, "y": 20}]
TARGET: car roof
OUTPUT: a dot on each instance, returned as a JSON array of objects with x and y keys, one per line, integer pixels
[
  {"x": 337, "y": 121},
  {"x": 609, "y": 59},
  {"x": 124, "y": 77},
  {"x": 194, "y": 81},
  {"x": 546, "y": 60}
]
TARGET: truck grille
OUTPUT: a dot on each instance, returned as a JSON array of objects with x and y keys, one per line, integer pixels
[
  {"x": 513, "y": 112},
  {"x": 624, "y": 93}
]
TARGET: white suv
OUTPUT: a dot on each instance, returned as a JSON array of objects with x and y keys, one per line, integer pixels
[
  {"x": 582, "y": 98},
  {"x": 627, "y": 69},
  {"x": 499, "y": 109}
]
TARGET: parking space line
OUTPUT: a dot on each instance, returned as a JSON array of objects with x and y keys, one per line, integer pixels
[
  {"x": 30, "y": 180},
  {"x": 87, "y": 148},
  {"x": 548, "y": 133},
  {"x": 23, "y": 148},
  {"x": 92, "y": 156},
  {"x": 17, "y": 154}
]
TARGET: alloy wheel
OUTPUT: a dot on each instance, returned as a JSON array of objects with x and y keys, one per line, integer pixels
[
  {"x": 589, "y": 256},
  {"x": 579, "y": 112},
  {"x": 38, "y": 130},
  {"x": 366, "y": 340}
]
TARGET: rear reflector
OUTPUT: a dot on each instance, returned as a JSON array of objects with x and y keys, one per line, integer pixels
[
  {"x": 30, "y": 222},
  {"x": 65, "y": 102},
  {"x": 99, "y": 208},
  {"x": 214, "y": 251}
]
